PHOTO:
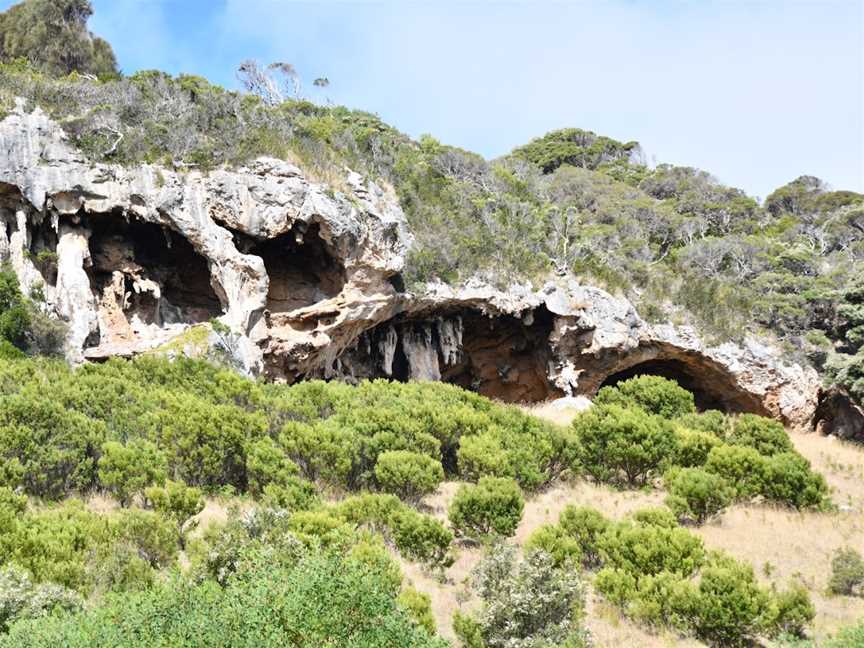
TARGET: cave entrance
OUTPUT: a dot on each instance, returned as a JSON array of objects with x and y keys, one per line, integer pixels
[
  {"x": 148, "y": 272},
  {"x": 301, "y": 270},
  {"x": 502, "y": 357},
  {"x": 709, "y": 391}
]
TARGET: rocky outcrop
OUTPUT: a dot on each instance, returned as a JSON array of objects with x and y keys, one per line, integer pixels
[
  {"x": 839, "y": 415},
  {"x": 306, "y": 278}
]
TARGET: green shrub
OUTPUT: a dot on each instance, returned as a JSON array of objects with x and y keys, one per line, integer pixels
[
  {"x": 320, "y": 528},
  {"x": 556, "y": 542},
  {"x": 648, "y": 549},
  {"x": 48, "y": 450},
  {"x": 851, "y": 637},
  {"x": 742, "y": 467},
  {"x": 586, "y": 526},
  {"x": 266, "y": 464},
  {"x": 482, "y": 455},
  {"x": 765, "y": 435},
  {"x": 205, "y": 443},
  {"x": 622, "y": 444},
  {"x": 794, "y": 612},
  {"x": 177, "y": 502},
  {"x": 657, "y": 516},
  {"x": 847, "y": 573},
  {"x": 318, "y": 600},
  {"x": 126, "y": 470},
  {"x": 695, "y": 494},
  {"x": 421, "y": 537},
  {"x": 654, "y": 394},
  {"x": 789, "y": 479},
  {"x": 418, "y": 605},
  {"x": 292, "y": 494},
  {"x": 531, "y": 602},
  {"x": 416, "y": 536},
  {"x": 712, "y": 422},
  {"x": 693, "y": 447},
  {"x": 408, "y": 475},
  {"x": 21, "y": 598},
  {"x": 57, "y": 544},
  {"x": 729, "y": 608},
  {"x": 494, "y": 505}
]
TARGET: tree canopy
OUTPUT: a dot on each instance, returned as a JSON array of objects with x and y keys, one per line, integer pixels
[{"x": 52, "y": 36}]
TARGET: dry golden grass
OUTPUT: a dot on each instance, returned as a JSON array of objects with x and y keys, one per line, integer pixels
[{"x": 782, "y": 545}]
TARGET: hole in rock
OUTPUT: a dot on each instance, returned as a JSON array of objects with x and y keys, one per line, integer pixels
[
  {"x": 503, "y": 357},
  {"x": 156, "y": 273},
  {"x": 302, "y": 271},
  {"x": 43, "y": 250},
  {"x": 710, "y": 388}
]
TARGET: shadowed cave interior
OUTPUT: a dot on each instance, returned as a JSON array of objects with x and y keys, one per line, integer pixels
[{"x": 149, "y": 272}]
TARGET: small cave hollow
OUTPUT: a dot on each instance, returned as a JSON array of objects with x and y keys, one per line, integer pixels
[
  {"x": 42, "y": 250},
  {"x": 502, "y": 357},
  {"x": 709, "y": 391},
  {"x": 149, "y": 272},
  {"x": 301, "y": 269}
]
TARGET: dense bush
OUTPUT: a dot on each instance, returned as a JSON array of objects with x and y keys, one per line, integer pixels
[
  {"x": 742, "y": 467},
  {"x": 21, "y": 598},
  {"x": 654, "y": 394},
  {"x": 765, "y": 435},
  {"x": 847, "y": 573},
  {"x": 126, "y": 470},
  {"x": 53, "y": 35},
  {"x": 659, "y": 573},
  {"x": 617, "y": 444},
  {"x": 417, "y": 536},
  {"x": 320, "y": 599},
  {"x": 586, "y": 526},
  {"x": 527, "y": 603},
  {"x": 409, "y": 475},
  {"x": 48, "y": 450},
  {"x": 131, "y": 421},
  {"x": 693, "y": 447},
  {"x": 494, "y": 505},
  {"x": 695, "y": 494}
]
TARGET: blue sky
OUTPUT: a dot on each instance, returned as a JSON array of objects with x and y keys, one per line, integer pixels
[{"x": 755, "y": 92}]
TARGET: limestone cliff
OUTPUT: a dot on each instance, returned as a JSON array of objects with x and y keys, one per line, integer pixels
[{"x": 308, "y": 279}]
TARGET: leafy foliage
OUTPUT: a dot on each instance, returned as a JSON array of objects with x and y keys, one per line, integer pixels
[
  {"x": 408, "y": 474},
  {"x": 52, "y": 35},
  {"x": 660, "y": 573},
  {"x": 654, "y": 394},
  {"x": 847, "y": 572},
  {"x": 318, "y": 600},
  {"x": 622, "y": 445},
  {"x": 526, "y": 604},
  {"x": 695, "y": 494},
  {"x": 494, "y": 505}
]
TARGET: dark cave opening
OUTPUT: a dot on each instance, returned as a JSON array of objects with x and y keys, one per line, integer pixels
[
  {"x": 301, "y": 269},
  {"x": 43, "y": 250},
  {"x": 706, "y": 392},
  {"x": 145, "y": 252},
  {"x": 503, "y": 357}
]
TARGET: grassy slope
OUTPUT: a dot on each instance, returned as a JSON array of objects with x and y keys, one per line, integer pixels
[{"x": 795, "y": 545}]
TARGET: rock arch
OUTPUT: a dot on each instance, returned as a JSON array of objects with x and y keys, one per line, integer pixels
[{"x": 713, "y": 385}]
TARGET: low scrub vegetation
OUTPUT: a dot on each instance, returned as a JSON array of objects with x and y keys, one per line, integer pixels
[
  {"x": 659, "y": 573},
  {"x": 647, "y": 427}
]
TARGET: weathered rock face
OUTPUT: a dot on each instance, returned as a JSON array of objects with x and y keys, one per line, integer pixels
[
  {"x": 837, "y": 414},
  {"x": 307, "y": 279}
]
